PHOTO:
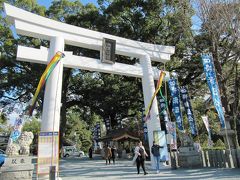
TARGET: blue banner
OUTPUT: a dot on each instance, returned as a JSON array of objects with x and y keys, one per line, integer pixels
[
  {"x": 108, "y": 124},
  {"x": 174, "y": 90},
  {"x": 162, "y": 107},
  {"x": 15, "y": 134},
  {"x": 96, "y": 131},
  {"x": 188, "y": 109},
  {"x": 213, "y": 86},
  {"x": 145, "y": 130}
]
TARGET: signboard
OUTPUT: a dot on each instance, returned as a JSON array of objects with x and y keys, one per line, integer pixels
[
  {"x": 48, "y": 152},
  {"x": 160, "y": 139},
  {"x": 18, "y": 161},
  {"x": 108, "y": 51}
]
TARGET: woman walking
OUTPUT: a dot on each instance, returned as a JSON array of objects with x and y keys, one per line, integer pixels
[
  {"x": 141, "y": 157},
  {"x": 107, "y": 154}
]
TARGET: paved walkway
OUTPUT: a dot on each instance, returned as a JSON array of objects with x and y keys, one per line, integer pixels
[{"x": 83, "y": 168}]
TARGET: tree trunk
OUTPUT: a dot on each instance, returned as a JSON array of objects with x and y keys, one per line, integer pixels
[
  {"x": 219, "y": 75},
  {"x": 235, "y": 106}
]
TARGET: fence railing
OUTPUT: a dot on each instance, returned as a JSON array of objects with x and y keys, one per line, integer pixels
[{"x": 221, "y": 158}]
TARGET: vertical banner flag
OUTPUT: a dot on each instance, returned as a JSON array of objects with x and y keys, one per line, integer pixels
[
  {"x": 107, "y": 124},
  {"x": 97, "y": 131},
  {"x": 174, "y": 90},
  {"x": 96, "y": 134},
  {"x": 162, "y": 107},
  {"x": 145, "y": 130},
  {"x": 213, "y": 86},
  {"x": 206, "y": 123},
  {"x": 119, "y": 123},
  {"x": 93, "y": 133},
  {"x": 16, "y": 132},
  {"x": 188, "y": 108},
  {"x": 171, "y": 129}
]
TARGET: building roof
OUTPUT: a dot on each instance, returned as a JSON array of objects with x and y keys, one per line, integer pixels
[{"x": 120, "y": 135}]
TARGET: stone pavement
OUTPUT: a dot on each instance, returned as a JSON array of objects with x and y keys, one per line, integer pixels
[{"x": 96, "y": 169}]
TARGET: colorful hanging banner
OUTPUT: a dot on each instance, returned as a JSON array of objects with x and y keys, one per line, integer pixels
[
  {"x": 176, "y": 109},
  {"x": 159, "y": 85},
  {"x": 188, "y": 109},
  {"x": 209, "y": 70},
  {"x": 50, "y": 67}
]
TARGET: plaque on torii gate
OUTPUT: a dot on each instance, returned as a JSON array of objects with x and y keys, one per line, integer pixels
[
  {"x": 108, "y": 51},
  {"x": 59, "y": 34}
]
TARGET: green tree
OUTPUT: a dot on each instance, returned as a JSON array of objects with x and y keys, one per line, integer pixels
[
  {"x": 220, "y": 36},
  {"x": 78, "y": 131},
  {"x": 3, "y": 118},
  {"x": 32, "y": 125},
  {"x": 17, "y": 79}
]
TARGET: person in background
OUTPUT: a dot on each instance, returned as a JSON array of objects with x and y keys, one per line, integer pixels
[
  {"x": 90, "y": 151},
  {"x": 127, "y": 149},
  {"x": 141, "y": 157},
  {"x": 155, "y": 150},
  {"x": 107, "y": 154},
  {"x": 113, "y": 151}
]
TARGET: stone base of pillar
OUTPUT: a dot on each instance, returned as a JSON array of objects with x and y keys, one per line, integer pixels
[
  {"x": 188, "y": 157},
  {"x": 17, "y": 168}
]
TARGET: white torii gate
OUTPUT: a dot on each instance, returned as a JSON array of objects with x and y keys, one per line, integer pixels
[{"x": 59, "y": 34}]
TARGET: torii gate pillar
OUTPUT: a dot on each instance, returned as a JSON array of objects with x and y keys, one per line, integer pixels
[
  {"x": 148, "y": 90},
  {"x": 53, "y": 91}
]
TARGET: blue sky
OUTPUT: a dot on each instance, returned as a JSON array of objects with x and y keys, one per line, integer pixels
[{"x": 47, "y": 3}]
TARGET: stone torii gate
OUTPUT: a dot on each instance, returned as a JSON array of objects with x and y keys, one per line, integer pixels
[{"x": 59, "y": 34}]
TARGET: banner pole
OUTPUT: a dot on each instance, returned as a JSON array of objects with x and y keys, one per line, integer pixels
[{"x": 229, "y": 147}]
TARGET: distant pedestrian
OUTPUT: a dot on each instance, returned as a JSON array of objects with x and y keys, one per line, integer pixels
[
  {"x": 155, "y": 150},
  {"x": 107, "y": 154},
  {"x": 90, "y": 152},
  {"x": 113, "y": 151},
  {"x": 140, "y": 155}
]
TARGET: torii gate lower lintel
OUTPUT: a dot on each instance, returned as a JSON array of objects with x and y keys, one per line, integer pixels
[{"x": 60, "y": 34}]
